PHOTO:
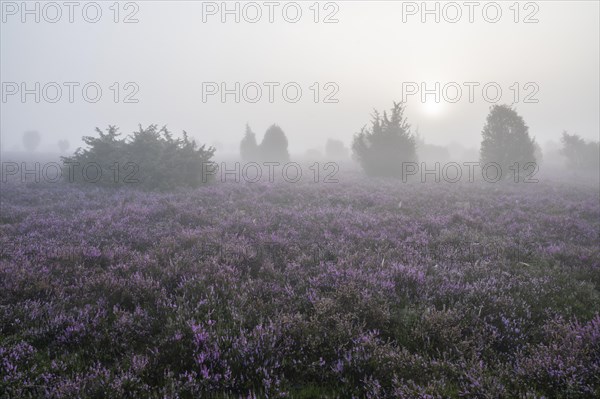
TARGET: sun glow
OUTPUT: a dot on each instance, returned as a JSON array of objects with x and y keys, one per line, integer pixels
[{"x": 432, "y": 108}]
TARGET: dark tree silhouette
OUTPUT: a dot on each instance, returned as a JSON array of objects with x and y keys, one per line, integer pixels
[
  {"x": 151, "y": 159},
  {"x": 382, "y": 149},
  {"x": 506, "y": 140},
  {"x": 274, "y": 145},
  {"x": 579, "y": 154},
  {"x": 248, "y": 146},
  {"x": 538, "y": 153},
  {"x": 31, "y": 140}
]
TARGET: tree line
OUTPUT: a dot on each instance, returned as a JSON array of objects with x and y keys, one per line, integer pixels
[{"x": 380, "y": 149}]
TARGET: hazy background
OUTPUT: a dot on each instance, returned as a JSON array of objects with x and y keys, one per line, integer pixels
[{"x": 369, "y": 53}]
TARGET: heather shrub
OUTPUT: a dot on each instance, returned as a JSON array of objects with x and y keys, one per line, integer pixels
[
  {"x": 567, "y": 363},
  {"x": 123, "y": 293},
  {"x": 150, "y": 159}
]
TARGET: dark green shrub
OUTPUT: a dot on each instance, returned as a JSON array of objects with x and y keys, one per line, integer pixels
[
  {"x": 274, "y": 145},
  {"x": 150, "y": 159},
  {"x": 579, "y": 153},
  {"x": 383, "y": 149},
  {"x": 248, "y": 146},
  {"x": 506, "y": 140}
]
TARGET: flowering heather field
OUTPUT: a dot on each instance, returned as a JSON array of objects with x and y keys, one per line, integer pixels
[{"x": 358, "y": 289}]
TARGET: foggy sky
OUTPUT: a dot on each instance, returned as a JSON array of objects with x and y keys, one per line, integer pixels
[{"x": 369, "y": 53}]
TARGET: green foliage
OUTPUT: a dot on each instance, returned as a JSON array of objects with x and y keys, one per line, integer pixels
[
  {"x": 248, "y": 146},
  {"x": 382, "y": 149},
  {"x": 273, "y": 148},
  {"x": 506, "y": 140},
  {"x": 274, "y": 145},
  {"x": 150, "y": 159},
  {"x": 579, "y": 154}
]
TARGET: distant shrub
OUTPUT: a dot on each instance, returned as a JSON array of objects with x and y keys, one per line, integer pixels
[
  {"x": 150, "y": 159},
  {"x": 248, "y": 146},
  {"x": 383, "y": 148},
  {"x": 273, "y": 148},
  {"x": 506, "y": 140},
  {"x": 31, "y": 140},
  {"x": 579, "y": 153},
  {"x": 335, "y": 150},
  {"x": 274, "y": 145}
]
